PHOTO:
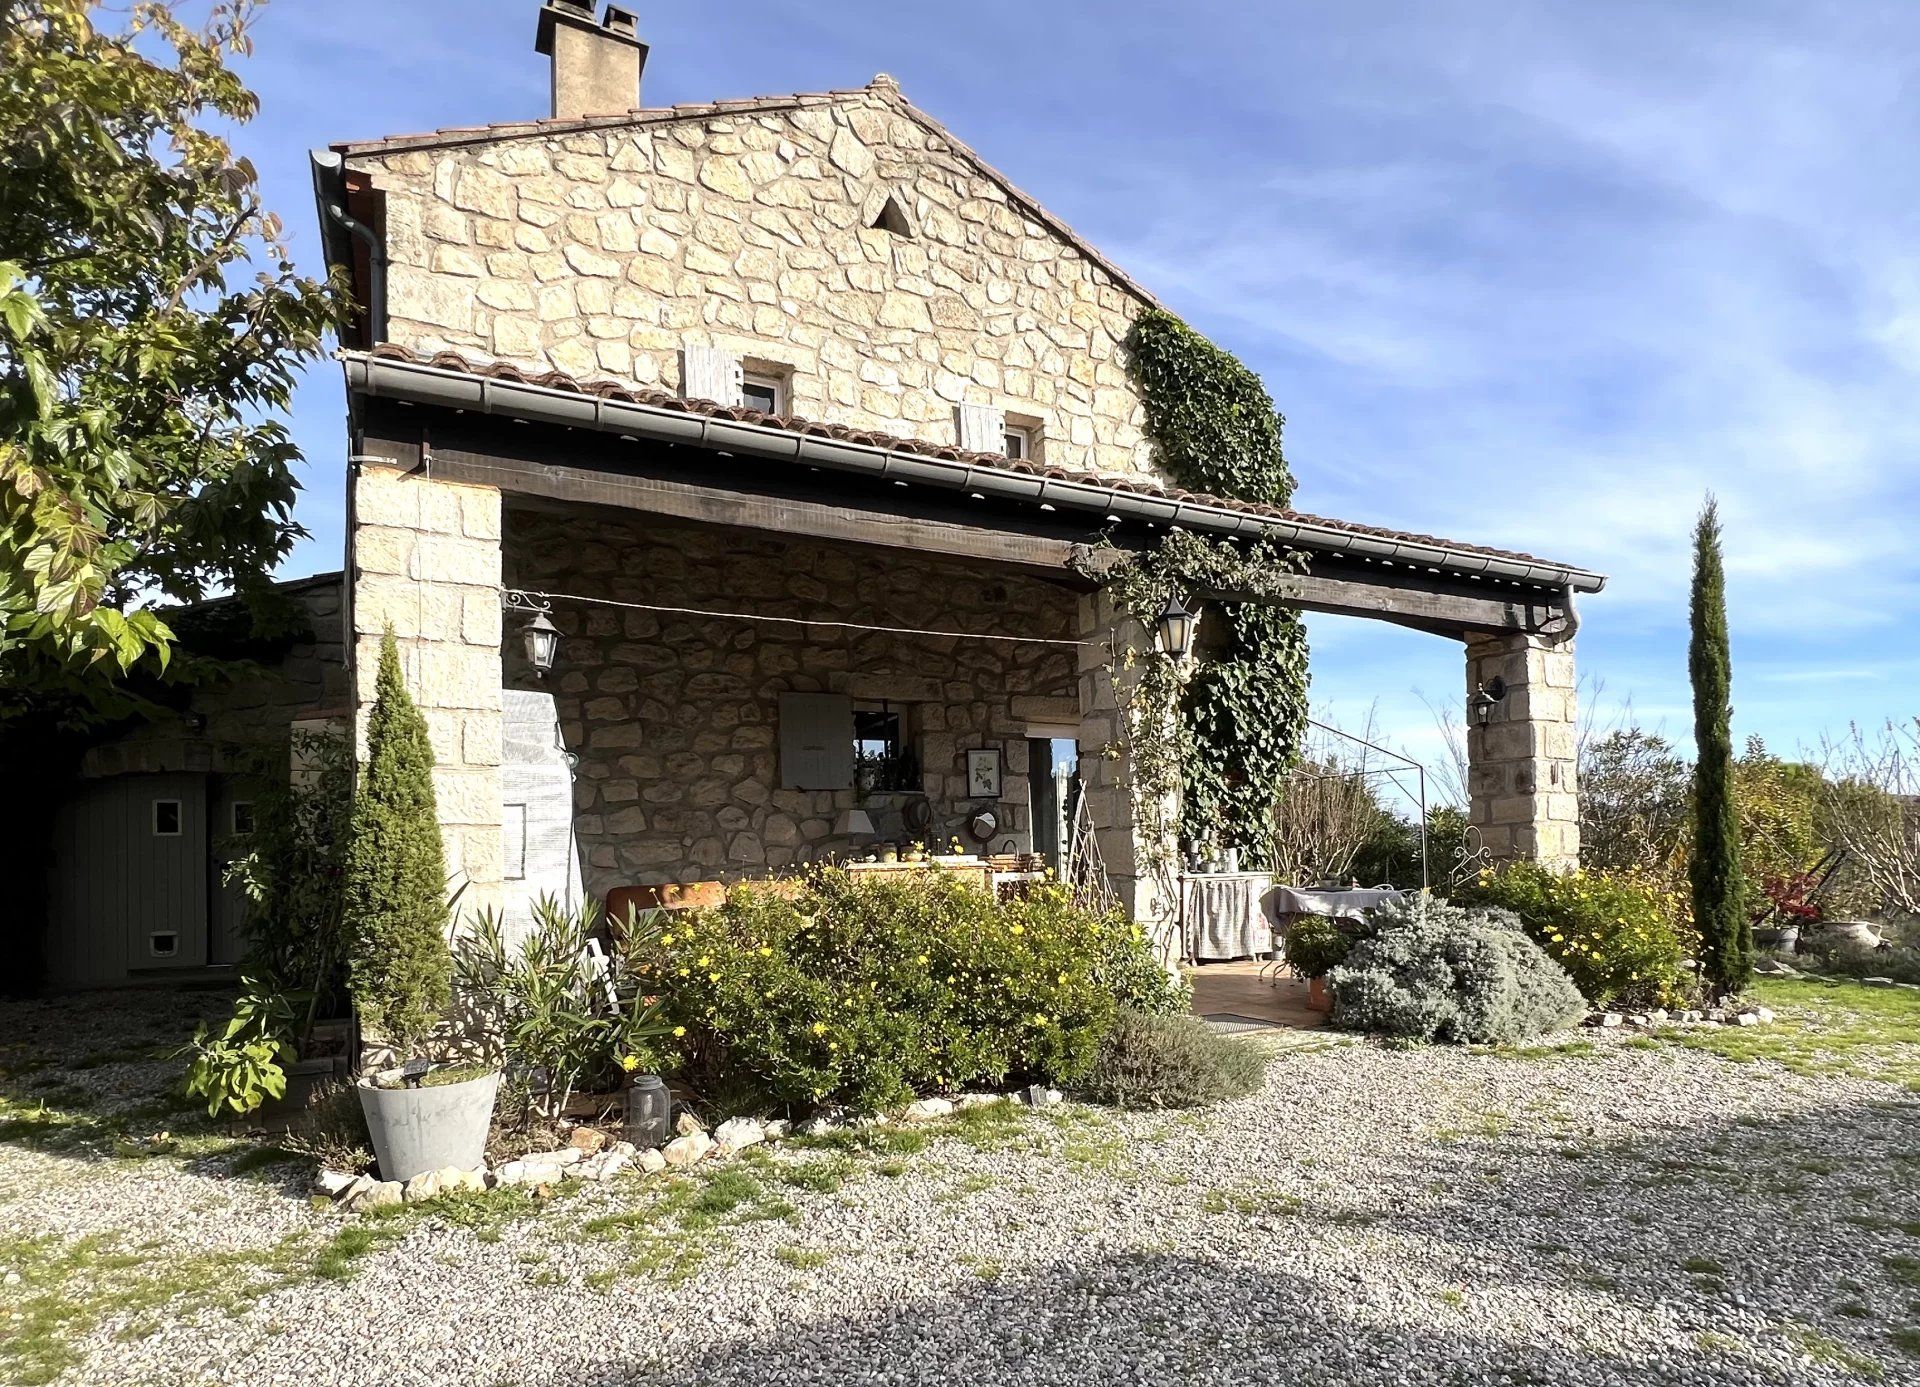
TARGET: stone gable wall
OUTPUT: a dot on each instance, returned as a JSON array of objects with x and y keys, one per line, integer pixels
[
  {"x": 675, "y": 718},
  {"x": 604, "y": 254}
]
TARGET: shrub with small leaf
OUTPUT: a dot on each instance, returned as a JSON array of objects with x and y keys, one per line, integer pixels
[
  {"x": 1452, "y": 974},
  {"x": 1623, "y": 940},
  {"x": 1161, "y": 1061},
  {"x": 1315, "y": 945},
  {"x": 865, "y": 990}
]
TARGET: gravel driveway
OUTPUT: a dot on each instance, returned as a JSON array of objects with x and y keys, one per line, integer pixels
[{"x": 1624, "y": 1215}]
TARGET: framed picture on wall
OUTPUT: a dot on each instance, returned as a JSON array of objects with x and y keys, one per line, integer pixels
[{"x": 983, "y": 773}]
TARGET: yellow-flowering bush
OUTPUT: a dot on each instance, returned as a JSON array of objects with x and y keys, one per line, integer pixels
[
  {"x": 1624, "y": 941},
  {"x": 865, "y": 990}
]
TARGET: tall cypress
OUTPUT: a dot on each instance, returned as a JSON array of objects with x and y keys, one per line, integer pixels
[
  {"x": 400, "y": 970},
  {"x": 1726, "y": 937}
]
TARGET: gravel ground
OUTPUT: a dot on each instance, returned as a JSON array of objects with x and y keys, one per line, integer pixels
[{"x": 1371, "y": 1216}]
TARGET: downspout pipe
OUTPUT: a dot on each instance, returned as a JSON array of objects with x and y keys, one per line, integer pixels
[{"x": 329, "y": 192}]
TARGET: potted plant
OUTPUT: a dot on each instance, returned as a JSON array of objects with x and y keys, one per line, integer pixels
[
  {"x": 399, "y": 967},
  {"x": 1314, "y": 946}
]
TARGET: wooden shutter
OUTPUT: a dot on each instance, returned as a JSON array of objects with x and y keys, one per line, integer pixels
[
  {"x": 816, "y": 741},
  {"x": 707, "y": 373},
  {"x": 983, "y": 429}
]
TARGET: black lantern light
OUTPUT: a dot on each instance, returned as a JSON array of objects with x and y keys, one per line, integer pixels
[
  {"x": 1174, "y": 627},
  {"x": 1486, "y": 697},
  {"x": 540, "y": 634}
]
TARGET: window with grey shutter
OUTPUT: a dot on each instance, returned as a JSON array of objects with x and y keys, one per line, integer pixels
[
  {"x": 707, "y": 373},
  {"x": 983, "y": 428},
  {"x": 816, "y": 741}
]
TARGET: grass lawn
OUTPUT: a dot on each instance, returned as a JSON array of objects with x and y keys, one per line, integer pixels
[{"x": 1823, "y": 1027}]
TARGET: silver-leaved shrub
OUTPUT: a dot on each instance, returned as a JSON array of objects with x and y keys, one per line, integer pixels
[{"x": 1469, "y": 976}]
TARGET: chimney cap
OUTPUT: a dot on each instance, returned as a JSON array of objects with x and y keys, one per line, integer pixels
[{"x": 618, "y": 24}]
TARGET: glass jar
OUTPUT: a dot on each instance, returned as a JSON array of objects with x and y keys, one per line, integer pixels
[{"x": 649, "y": 1111}]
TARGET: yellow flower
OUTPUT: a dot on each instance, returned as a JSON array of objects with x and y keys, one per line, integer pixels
[
  {"x": 1018, "y": 929},
  {"x": 705, "y": 959},
  {"x": 666, "y": 939},
  {"x": 629, "y": 1062},
  {"x": 713, "y": 977},
  {"x": 679, "y": 1030},
  {"x": 765, "y": 952},
  {"x": 819, "y": 1027},
  {"x": 923, "y": 958}
]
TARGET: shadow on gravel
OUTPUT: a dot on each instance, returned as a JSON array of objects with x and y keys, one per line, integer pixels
[
  {"x": 93, "y": 1075},
  {"x": 1151, "y": 1319},
  {"x": 1801, "y": 1231}
]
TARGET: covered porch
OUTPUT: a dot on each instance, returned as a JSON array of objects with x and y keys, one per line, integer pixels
[{"x": 766, "y": 625}]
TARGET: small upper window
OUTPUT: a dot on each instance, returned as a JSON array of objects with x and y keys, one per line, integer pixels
[
  {"x": 166, "y": 818},
  {"x": 242, "y": 817},
  {"x": 764, "y": 392},
  {"x": 1019, "y": 442}
]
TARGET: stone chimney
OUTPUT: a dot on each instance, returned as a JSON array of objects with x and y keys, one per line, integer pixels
[{"x": 596, "y": 67}]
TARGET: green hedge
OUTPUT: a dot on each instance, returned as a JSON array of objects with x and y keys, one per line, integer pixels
[
  {"x": 865, "y": 990},
  {"x": 1624, "y": 941}
]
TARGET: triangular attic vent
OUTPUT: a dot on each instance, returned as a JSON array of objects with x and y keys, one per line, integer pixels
[{"x": 892, "y": 217}]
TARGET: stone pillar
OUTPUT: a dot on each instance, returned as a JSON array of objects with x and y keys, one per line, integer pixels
[
  {"x": 424, "y": 561},
  {"x": 1521, "y": 766},
  {"x": 1146, "y": 890}
]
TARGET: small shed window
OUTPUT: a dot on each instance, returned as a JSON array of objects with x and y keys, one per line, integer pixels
[
  {"x": 1019, "y": 442},
  {"x": 242, "y": 817},
  {"x": 166, "y": 818}
]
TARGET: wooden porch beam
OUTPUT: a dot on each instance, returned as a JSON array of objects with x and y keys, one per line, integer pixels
[{"x": 949, "y": 527}]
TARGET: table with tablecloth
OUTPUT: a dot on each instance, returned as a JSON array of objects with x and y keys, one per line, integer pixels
[
  {"x": 1289, "y": 902},
  {"x": 1224, "y": 915}
]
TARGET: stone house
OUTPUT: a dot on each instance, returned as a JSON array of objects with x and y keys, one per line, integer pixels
[{"x": 792, "y": 414}]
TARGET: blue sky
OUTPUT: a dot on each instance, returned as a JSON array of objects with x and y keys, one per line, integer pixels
[{"x": 1532, "y": 274}]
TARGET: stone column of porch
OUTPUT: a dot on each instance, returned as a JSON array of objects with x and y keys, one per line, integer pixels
[
  {"x": 424, "y": 561},
  {"x": 1521, "y": 766},
  {"x": 1146, "y": 894}
]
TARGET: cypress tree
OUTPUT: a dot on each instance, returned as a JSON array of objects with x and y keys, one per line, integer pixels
[
  {"x": 1726, "y": 937},
  {"x": 400, "y": 969}
]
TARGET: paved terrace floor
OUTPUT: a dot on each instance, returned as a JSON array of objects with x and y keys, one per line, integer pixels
[{"x": 1237, "y": 998}]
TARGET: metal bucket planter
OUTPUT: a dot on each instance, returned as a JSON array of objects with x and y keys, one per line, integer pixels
[{"x": 429, "y": 1128}]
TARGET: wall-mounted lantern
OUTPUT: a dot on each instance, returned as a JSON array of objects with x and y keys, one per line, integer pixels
[
  {"x": 542, "y": 637},
  {"x": 1174, "y": 628},
  {"x": 1486, "y": 697}
]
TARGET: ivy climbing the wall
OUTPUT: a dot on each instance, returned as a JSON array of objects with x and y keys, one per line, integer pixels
[{"x": 1243, "y": 710}]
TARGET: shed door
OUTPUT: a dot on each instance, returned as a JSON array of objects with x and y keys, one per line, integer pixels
[{"x": 130, "y": 879}]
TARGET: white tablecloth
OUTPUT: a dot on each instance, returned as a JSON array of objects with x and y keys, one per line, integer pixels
[
  {"x": 1223, "y": 914},
  {"x": 1339, "y": 905}
]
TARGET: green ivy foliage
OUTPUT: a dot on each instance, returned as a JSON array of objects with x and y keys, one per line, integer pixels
[
  {"x": 1209, "y": 417},
  {"x": 399, "y": 967},
  {"x": 1243, "y": 712}
]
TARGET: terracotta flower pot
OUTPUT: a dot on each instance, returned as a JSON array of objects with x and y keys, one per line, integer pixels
[{"x": 1317, "y": 996}]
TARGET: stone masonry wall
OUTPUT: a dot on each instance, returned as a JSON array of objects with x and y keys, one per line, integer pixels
[
  {"x": 606, "y": 253},
  {"x": 675, "y": 718},
  {"x": 1522, "y": 766},
  {"x": 426, "y": 565},
  {"x": 248, "y": 713}
]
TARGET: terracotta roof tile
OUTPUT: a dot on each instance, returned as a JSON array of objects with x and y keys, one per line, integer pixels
[{"x": 658, "y": 399}]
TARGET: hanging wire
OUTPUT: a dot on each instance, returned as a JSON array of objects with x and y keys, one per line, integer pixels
[{"x": 523, "y": 593}]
